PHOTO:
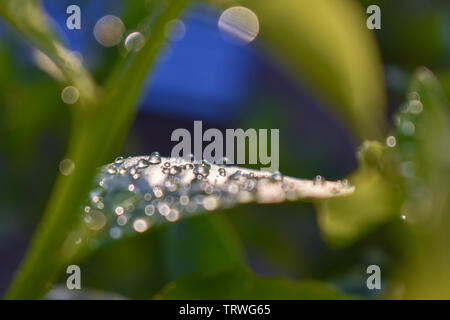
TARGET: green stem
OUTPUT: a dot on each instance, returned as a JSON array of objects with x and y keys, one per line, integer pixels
[{"x": 96, "y": 136}]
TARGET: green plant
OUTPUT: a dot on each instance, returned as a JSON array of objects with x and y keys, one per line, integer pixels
[{"x": 341, "y": 61}]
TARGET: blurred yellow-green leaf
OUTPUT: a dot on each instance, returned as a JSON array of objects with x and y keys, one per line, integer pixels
[
  {"x": 327, "y": 44},
  {"x": 375, "y": 200}
]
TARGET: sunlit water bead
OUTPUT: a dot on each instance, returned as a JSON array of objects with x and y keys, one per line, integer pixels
[
  {"x": 140, "y": 225},
  {"x": 111, "y": 170},
  {"x": 415, "y": 106},
  {"x": 239, "y": 24},
  {"x": 175, "y": 30},
  {"x": 95, "y": 220},
  {"x": 277, "y": 176},
  {"x": 119, "y": 160},
  {"x": 222, "y": 172},
  {"x": 134, "y": 42},
  {"x": 319, "y": 180},
  {"x": 66, "y": 167},
  {"x": 115, "y": 233},
  {"x": 70, "y": 95},
  {"x": 407, "y": 128},
  {"x": 143, "y": 163},
  {"x": 108, "y": 30},
  {"x": 391, "y": 141},
  {"x": 155, "y": 158}
]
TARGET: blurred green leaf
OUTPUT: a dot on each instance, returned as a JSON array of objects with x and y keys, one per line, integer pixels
[
  {"x": 375, "y": 200},
  {"x": 327, "y": 43},
  {"x": 423, "y": 137},
  {"x": 240, "y": 283},
  {"x": 205, "y": 245},
  {"x": 32, "y": 22},
  {"x": 97, "y": 132}
]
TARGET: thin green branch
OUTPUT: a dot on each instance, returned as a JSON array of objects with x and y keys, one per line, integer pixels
[{"x": 97, "y": 135}]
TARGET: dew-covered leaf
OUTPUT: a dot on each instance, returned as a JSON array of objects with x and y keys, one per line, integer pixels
[
  {"x": 135, "y": 194},
  {"x": 240, "y": 283}
]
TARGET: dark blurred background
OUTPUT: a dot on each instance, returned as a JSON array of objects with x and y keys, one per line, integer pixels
[{"x": 204, "y": 77}]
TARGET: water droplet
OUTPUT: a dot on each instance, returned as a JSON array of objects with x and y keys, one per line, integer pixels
[
  {"x": 277, "y": 176},
  {"x": 154, "y": 158},
  {"x": 413, "y": 96},
  {"x": 140, "y": 225},
  {"x": 119, "y": 210},
  {"x": 201, "y": 170},
  {"x": 131, "y": 187},
  {"x": 70, "y": 95},
  {"x": 158, "y": 192},
  {"x": 206, "y": 164},
  {"x": 122, "y": 220},
  {"x": 318, "y": 180},
  {"x": 415, "y": 106},
  {"x": 148, "y": 196},
  {"x": 408, "y": 128},
  {"x": 111, "y": 170},
  {"x": 173, "y": 215},
  {"x": 66, "y": 167},
  {"x": 174, "y": 170},
  {"x": 123, "y": 171},
  {"x": 108, "y": 30},
  {"x": 210, "y": 203},
  {"x": 163, "y": 209},
  {"x": 240, "y": 23},
  {"x": 143, "y": 164},
  {"x": 134, "y": 42},
  {"x": 184, "y": 200},
  {"x": 175, "y": 30},
  {"x": 119, "y": 160},
  {"x": 222, "y": 172},
  {"x": 115, "y": 233},
  {"x": 149, "y": 210},
  {"x": 391, "y": 141},
  {"x": 95, "y": 220}
]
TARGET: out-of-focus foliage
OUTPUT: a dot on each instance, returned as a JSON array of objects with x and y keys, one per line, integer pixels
[
  {"x": 398, "y": 216},
  {"x": 425, "y": 167},
  {"x": 94, "y": 138},
  {"x": 28, "y": 18},
  {"x": 240, "y": 283},
  {"x": 345, "y": 220},
  {"x": 323, "y": 42},
  {"x": 408, "y": 181}
]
